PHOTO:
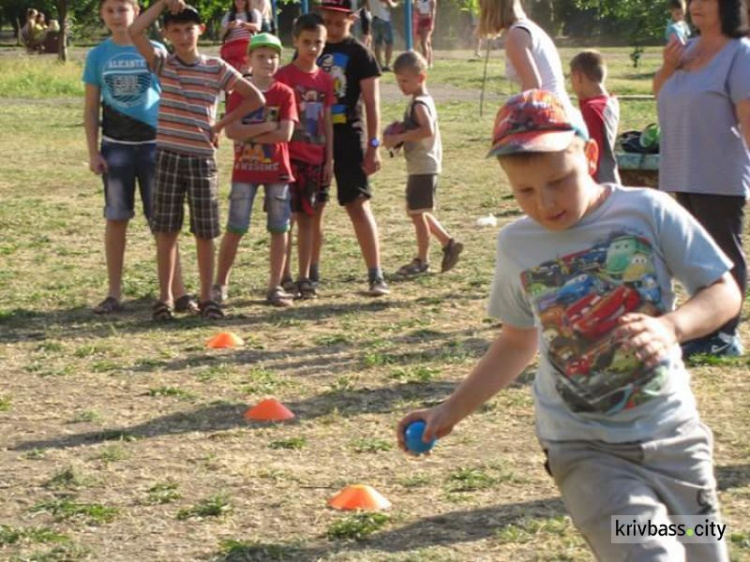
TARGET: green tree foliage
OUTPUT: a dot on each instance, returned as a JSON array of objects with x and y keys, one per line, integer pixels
[{"x": 641, "y": 20}]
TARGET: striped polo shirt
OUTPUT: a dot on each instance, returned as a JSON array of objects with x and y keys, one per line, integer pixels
[{"x": 189, "y": 99}]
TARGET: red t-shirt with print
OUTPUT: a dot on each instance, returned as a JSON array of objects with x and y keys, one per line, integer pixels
[
  {"x": 313, "y": 92},
  {"x": 260, "y": 162}
]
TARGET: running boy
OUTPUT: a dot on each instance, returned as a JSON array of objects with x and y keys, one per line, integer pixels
[
  {"x": 423, "y": 150},
  {"x": 355, "y": 74},
  {"x": 119, "y": 82},
  {"x": 585, "y": 278},
  {"x": 186, "y": 143},
  {"x": 261, "y": 156},
  {"x": 312, "y": 144},
  {"x": 600, "y": 111}
]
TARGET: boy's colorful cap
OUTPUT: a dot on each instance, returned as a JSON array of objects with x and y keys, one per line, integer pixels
[
  {"x": 188, "y": 15},
  {"x": 338, "y": 5},
  {"x": 533, "y": 121},
  {"x": 264, "y": 40}
]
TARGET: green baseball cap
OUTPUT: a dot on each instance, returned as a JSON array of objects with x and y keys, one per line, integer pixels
[{"x": 264, "y": 40}]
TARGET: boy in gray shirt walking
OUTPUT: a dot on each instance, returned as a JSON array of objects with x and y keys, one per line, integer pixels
[{"x": 419, "y": 135}]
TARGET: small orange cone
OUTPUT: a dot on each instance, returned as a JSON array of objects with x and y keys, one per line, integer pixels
[
  {"x": 359, "y": 496},
  {"x": 269, "y": 410},
  {"x": 224, "y": 340}
]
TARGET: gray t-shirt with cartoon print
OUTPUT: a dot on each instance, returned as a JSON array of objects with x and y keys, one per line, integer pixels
[{"x": 575, "y": 284}]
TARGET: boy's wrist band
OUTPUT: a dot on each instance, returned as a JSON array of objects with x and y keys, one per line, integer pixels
[{"x": 374, "y": 143}]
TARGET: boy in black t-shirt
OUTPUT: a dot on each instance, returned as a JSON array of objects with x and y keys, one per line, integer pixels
[{"x": 355, "y": 74}]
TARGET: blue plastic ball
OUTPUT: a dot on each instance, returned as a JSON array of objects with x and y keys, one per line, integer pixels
[{"x": 413, "y": 437}]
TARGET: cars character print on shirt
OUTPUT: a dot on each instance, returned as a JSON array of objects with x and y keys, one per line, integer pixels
[
  {"x": 335, "y": 65},
  {"x": 578, "y": 299},
  {"x": 256, "y": 157}
]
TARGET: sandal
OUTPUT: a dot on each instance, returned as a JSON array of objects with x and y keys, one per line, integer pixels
[
  {"x": 161, "y": 311},
  {"x": 108, "y": 306},
  {"x": 186, "y": 303},
  {"x": 279, "y": 297},
  {"x": 210, "y": 310}
]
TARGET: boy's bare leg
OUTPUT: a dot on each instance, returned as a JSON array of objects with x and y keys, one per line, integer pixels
[
  {"x": 366, "y": 230},
  {"x": 437, "y": 230},
  {"x": 422, "y": 230},
  {"x": 277, "y": 258},
  {"x": 205, "y": 248},
  {"x": 114, "y": 251},
  {"x": 178, "y": 283},
  {"x": 304, "y": 244},
  {"x": 388, "y": 54},
  {"x": 317, "y": 235},
  {"x": 230, "y": 242},
  {"x": 379, "y": 54},
  {"x": 287, "y": 270},
  {"x": 166, "y": 259}
]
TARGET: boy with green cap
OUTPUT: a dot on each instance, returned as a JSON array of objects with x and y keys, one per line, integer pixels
[{"x": 261, "y": 157}]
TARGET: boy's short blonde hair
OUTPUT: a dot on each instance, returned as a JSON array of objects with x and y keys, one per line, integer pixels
[
  {"x": 410, "y": 60},
  {"x": 495, "y": 16},
  {"x": 591, "y": 64}
]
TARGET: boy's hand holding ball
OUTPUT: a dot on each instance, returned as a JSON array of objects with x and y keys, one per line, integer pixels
[
  {"x": 392, "y": 135},
  {"x": 418, "y": 432}
]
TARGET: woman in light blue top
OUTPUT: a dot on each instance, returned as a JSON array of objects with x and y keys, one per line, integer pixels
[{"x": 703, "y": 95}]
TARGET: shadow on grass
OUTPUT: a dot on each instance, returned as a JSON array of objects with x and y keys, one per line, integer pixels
[
  {"x": 440, "y": 530},
  {"x": 422, "y": 347},
  {"x": 225, "y": 416},
  {"x": 24, "y": 324}
]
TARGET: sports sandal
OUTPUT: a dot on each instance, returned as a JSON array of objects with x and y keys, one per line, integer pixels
[
  {"x": 306, "y": 289},
  {"x": 219, "y": 293},
  {"x": 186, "y": 303},
  {"x": 279, "y": 297},
  {"x": 108, "y": 306},
  {"x": 161, "y": 311},
  {"x": 415, "y": 267},
  {"x": 210, "y": 310}
]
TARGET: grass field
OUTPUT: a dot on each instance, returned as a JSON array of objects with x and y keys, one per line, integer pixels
[{"x": 123, "y": 439}]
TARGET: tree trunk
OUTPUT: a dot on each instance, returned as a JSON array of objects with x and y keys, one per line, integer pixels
[{"x": 62, "y": 46}]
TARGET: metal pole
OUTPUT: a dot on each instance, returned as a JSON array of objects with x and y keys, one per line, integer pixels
[
  {"x": 305, "y": 6},
  {"x": 409, "y": 26}
]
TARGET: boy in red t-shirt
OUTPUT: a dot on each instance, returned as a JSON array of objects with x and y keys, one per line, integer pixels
[
  {"x": 261, "y": 157},
  {"x": 601, "y": 111},
  {"x": 312, "y": 144}
]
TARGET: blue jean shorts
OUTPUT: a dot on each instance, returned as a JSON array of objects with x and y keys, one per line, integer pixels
[
  {"x": 127, "y": 163},
  {"x": 382, "y": 31},
  {"x": 277, "y": 205}
]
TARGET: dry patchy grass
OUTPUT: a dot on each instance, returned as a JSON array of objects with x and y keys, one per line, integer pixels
[{"x": 124, "y": 440}]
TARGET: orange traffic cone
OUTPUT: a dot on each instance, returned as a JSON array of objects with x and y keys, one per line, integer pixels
[
  {"x": 359, "y": 496},
  {"x": 224, "y": 340},
  {"x": 269, "y": 410}
]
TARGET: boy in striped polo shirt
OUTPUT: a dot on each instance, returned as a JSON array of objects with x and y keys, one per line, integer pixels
[{"x": 186, "y": 141}]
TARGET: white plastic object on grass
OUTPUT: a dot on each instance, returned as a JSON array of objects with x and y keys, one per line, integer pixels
[{"x": 489, "y": 220}]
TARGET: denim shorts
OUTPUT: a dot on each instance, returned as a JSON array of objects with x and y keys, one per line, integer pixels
[
  {"x": 382, "y": 31},
  {"x": 127, "y": 163},
  {"x": 276, "y": 205}
]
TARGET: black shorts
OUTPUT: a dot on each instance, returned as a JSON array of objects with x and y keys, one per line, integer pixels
[
  {"x": 420, "y": 193},
  {"x": 348, "y": 157},
  {"x": 365, "y": 19}
]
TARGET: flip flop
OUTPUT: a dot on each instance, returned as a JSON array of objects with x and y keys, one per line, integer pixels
[{"x": 108, "y": 306}]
